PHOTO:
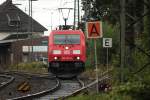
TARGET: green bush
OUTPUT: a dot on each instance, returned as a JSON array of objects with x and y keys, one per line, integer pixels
[
  {"x": 137, "y": 90},
  {"x": 29, "y": 67},
  {"x": 101, "y": 96},
  {"x": 127, "y": 91}
]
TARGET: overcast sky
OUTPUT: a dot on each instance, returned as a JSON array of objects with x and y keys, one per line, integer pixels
[{"x": 46, "y": 11}]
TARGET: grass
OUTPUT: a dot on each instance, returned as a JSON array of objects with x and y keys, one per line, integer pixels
[
  {"x": 91, "y": 72},
  {"x": 33, "y": 67},
  {"x": 101, "y": 96}
]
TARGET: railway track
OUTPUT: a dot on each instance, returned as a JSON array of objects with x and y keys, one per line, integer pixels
[
  {"x": 73, "y": 87},
  {"x": 5, "y": 80},
  {"x": 59, "y": 89},
  {"x": 42, "y": 87},
  {"x": 26, "y": 86},
  {"x": 67, "y": 88}
]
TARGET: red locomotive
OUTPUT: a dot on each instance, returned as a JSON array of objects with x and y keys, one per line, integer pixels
[{"x": 66, "y": 52}]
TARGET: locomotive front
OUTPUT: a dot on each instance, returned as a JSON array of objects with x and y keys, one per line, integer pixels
[{"x": 66, "y": 52}]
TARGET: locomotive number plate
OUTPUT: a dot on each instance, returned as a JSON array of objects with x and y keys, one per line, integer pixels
[{"x": 66, "y": 52}]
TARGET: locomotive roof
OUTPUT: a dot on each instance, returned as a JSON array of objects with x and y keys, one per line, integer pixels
[{"x": 67, "y": 31}]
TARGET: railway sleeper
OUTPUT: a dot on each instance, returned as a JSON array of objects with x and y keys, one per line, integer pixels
[{"x": 24, "y": 87}]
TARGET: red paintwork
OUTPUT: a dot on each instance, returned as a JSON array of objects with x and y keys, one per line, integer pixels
[{"x": 67, "y": 57}]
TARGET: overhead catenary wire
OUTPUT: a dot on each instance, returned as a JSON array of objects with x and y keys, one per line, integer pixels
[
  {"x": 141, "y": 69},
  {"x": 145, "y": 53},
  {"x": 42, "y": 7}
]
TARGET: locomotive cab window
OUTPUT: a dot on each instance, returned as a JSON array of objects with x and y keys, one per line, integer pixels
[{"x": 66, "y": 39}]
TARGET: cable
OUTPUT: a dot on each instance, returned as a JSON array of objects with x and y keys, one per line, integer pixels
[
  {"x": 141, "y": 69},
  {"x": 143, "y": 51},
  {"x": 135, "y": 46}
]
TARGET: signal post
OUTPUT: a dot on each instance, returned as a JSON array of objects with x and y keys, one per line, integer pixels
[{"x": 94, "y": 31}]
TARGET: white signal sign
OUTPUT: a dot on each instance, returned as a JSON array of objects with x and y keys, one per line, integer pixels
[{"x": 107, "y": 42}]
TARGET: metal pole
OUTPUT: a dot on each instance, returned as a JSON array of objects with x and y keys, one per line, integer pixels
[
  {"x": 17, "y": 44},
  {"x": 107, "y": 59},
  {"x": 31, "y": 28},
  {"x": 29, "y": 31},
  {"x": 65, "y": 19},
  {"x": 29, "y": 7},
  {"x": 51, "y": 20},
  {"x": 97, "y": 87},
  {"x": 78, "y": 14},
  {"x": 31, "y": 34},
  {"x": 122, "y": 37},
  {"x": 74, "y": 25}
]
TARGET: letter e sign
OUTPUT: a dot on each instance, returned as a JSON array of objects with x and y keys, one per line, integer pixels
[{"x": 107, "y": 42}]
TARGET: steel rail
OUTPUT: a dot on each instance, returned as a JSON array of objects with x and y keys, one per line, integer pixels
[
  {"x": 80, "y": 82},
  {"x": 104, "y": 76},
  {"x": 67, "y": 87},
  {"x": 31, "y": 74},
  {"x": 3, "y": 84},
  {"x": 85, "y": 87},
  {"x": 31, "y": 96}
]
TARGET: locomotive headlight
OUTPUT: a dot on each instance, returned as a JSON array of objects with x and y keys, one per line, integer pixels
[
  {"x": 55, "y": 58},
  {"x": 78, "y": 58},
  {"x": 66, "y": 48},
  {"x": 56, "y": 51},
  {"x": 76, "y": 52}
]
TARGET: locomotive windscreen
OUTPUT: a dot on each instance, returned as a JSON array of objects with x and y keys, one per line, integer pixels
[{"x": 66, "y": 39}]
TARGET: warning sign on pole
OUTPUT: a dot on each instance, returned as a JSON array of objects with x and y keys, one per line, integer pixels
[
  {"x": 107, "y": 42},
  {"x": 94, "y": 29}
]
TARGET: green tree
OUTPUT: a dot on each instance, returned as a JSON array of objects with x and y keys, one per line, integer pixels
[{"x": 146, "y": 35}]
